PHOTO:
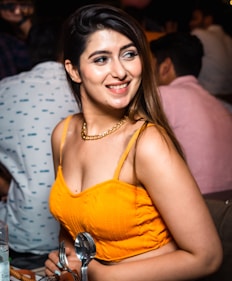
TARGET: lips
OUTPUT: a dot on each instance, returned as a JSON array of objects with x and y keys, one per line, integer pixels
[{"x": 117, "y": 87}]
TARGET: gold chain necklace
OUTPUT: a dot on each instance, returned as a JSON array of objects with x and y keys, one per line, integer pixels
[{"x": 102, "y": 135}]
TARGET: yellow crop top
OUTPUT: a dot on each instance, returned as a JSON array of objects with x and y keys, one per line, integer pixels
[{"x": 121, "y": 217}]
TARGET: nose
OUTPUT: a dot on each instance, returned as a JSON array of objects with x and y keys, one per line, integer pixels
[
  {"x": 17, "y": 10},
  {"x": 118, "y": 70}
]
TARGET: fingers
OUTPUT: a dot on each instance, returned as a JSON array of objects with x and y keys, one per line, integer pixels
[
  {"x": 51, "y": 270},
  {"x": 59, "y": 265},
  {"x": 52, "y": 265},
  {"x": 73, "y": 261}
]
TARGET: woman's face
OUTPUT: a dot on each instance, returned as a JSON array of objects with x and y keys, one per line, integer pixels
[{"x": 110, "y": 70}]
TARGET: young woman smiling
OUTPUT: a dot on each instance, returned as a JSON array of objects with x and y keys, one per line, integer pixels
[{"x": 121, "y": 174}]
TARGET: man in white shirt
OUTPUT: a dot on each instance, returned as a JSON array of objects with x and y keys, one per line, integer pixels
[
  {"x": 31, "y": 104},
  {"x": 215, "y": 74}
]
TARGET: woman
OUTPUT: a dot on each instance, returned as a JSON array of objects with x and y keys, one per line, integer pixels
[{"x": 121, "y": 175}]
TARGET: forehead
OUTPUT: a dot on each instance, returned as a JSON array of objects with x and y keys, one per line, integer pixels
[{"x": 106, "y": 39}]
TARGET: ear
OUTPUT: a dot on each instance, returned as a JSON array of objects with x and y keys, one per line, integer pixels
[
  {"x": 165, "y": 66},
  {"x": 165, "y": 72},
  {"x": 73, "y": 72}
]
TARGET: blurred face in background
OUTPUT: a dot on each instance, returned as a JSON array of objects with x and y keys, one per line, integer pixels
[
  {"x": 199, "y": 20},
  {"x": 196, "y": 20},
  {"x": 13, "y": 11}
]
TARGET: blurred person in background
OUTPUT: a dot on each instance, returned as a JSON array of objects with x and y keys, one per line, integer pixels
[
  {"x": 15, "y": 23},
  {"x": 200, "y": 121},
  {"x": 16, "y": 15},
  {"x": 141, "y": 11},
  {"x": 207, "y": 24},
  {"x": 31, "y": 104}
]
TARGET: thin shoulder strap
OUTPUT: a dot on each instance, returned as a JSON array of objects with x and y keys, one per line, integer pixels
[
  {"x": 126, "y": 152},
  {"x": 64, "y": 133}
]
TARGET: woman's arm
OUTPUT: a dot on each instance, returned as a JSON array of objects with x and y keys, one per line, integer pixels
[
  {"x": 176, "y": 195},
  {"x": 51, "y": 265},
  {"x": 56, "y": 143}
]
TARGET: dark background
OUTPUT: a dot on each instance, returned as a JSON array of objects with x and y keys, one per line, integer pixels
[{"x": 158, "y": 10}]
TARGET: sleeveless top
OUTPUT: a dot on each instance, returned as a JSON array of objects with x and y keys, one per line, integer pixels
[{"x": 121, "y": 217}]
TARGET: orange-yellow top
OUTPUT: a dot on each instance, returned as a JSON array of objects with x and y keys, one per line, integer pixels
[{"x": 121, "y": 217}]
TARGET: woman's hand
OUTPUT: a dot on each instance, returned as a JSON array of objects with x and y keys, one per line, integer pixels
[{"x": 53, "y": 266}]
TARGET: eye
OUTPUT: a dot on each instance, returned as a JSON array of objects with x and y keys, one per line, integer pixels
[
  {"x": 101, "y": 60},
  {"x": 129, "y": 55}
]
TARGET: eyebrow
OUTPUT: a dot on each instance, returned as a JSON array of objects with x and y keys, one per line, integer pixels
[{"x": 107, "y": 52}]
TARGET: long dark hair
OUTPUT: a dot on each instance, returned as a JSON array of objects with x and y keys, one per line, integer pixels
[{"x": 90, "y": 18}]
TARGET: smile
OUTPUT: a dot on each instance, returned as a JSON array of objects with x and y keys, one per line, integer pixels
[{"x": 119, "y": 86}]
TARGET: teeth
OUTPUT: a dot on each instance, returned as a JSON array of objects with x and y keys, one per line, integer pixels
[{"x": 118, "y": 86}]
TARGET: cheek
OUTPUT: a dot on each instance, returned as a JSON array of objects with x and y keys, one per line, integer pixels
[
  {"x": 93, "y": 74},
  {"x": 135, "y": 69}
]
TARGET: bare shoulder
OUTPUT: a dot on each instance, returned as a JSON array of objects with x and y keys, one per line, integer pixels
[
  {"x": 157, "y": 157},
  {"x": 154, "y": 139},
  {"x": 60, "y": 128}
]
